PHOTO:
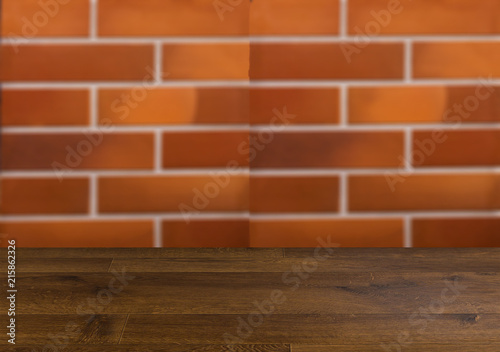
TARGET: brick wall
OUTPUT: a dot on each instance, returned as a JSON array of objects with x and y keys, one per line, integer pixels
[{"x": 262, "y": 123}]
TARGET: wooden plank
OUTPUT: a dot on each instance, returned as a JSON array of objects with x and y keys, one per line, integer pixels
[
  {"x": 27, "y": 253},
  {"x": 464, "y": 329},
  {"x": 407, "y": 347},
  {"x": 61, "y": 265},
  {"x": 236, "y": 293},
  {"x": 67, "y": 329},
  {"x": 332, "y": 264},
  {"x": 156, "y": 348},
  {"x": 405, "y": 259}
]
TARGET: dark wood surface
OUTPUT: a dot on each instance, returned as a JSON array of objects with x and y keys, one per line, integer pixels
[{"x": 206, "y": 300}]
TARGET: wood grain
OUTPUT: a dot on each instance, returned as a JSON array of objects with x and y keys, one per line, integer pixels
[
  {"x": 210, "y": 293},
  {"x": 393, "y": 347},
  {"x": 46, "y": 329},
  {"x": 210, "y": 300},
  {"x": 62, "y": 265},
  {"x": 29, "y": 253},
  {"x": 157, "y": 348},
  {"x": 313, "y": 329}
]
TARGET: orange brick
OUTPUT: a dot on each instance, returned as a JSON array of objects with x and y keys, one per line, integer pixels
[
  {"x": 424, "y": 192},
  {"x": 76, "y": 62},
  {"x": 344, "y": 233},
  {"x": 80, "y": 233},
  {"x": 44, "y": 196},
  {"x": 206, "y": 233},
  {"x": 146, "y": 105},
  {"x": 309, "y": 105},
  {"x": 276, "y": 194},
  {"x": 44, "y": 107},
  {"x": 463, "y": 232},
  {"x": 456, "y": 148},
  {"x": 325, "y": 61},
  {"x": 77, "y": 151},
  {"x": 206, "y": 61},
  {"x": 426, "y": 104},
  {"x": 204, "y": 149},
  {"x": 182, "y": 194},
  {"x": 326, "y": 149},
  {"x": 172, "y": 17},
  {"x": 413, "y": 17},
  {"x": 289, "y": 17},
  {"x": 34, "y": 18},
  {"x": 456, "y": 60}
]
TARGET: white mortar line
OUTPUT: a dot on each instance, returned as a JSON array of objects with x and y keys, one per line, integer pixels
[
  {"x": 407, "y": 232},
  {"x": 93, "y": 30},
  {"x": 157, "y": 234}
]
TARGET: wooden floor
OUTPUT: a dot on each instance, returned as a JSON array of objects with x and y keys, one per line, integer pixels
[{"x": 260, "y": 300}]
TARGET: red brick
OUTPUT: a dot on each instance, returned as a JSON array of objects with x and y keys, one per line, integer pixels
[
  {"x": 44, "y": 196},
  {"x": 206, "y": 61},
  {"x": 34, "y": 18},
  {"x": 456, "y": 60},
  {"x": 171, "y": 18},
  {"x": 192, "y": 105},
  {"x": 206, "y": 233},
  {"x": 276, "y": 194},
  {"x": 44, "y": 107},
  {"x": 309, "y": 105},
  {"x": 456, "y": 148},
  {"x": 424, "y": 17},
  {"x": 204, "y": 149},
  {"x": 424, "y": 192},
  {"x": 293, "y": 17},
  {"x": 76, "y": 62},
  {"x": 80, "y": 233},
  {"x": 188, "y": 195},
  {"x": 68, "y": 151},
  {"x": 463, "y": 232},
  {"x": 344, "y": 233},
  {"x": 326, "y": 149},
  {"x": 325, "y": 61},
  {"x": 426, "y": 104}
]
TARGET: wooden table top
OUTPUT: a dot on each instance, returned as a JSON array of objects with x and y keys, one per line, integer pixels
[{"x": 300, "y": 300}]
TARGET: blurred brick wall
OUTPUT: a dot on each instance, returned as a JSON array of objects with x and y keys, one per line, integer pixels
[{"x": 263, "y": 123}]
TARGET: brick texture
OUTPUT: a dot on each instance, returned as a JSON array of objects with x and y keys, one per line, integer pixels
[
  {"x": 75, "y": 62},
  {"x": 293, "y": 194},
  {"x": 326, "y": 149},
  {"x": 456, "y": 60},
  {"x": 307, "y": 233},
  {"x": 206, "y": 233},
  {"x": 88, "y": 150},
  {"x": 80, "y": 233},
  {"x": 189, "y": 195},
  {"x": 413, "y": 17},
  {"x": 261, "y": 123},
  {"x": 425, "y": 192},
  {"x": 45, "y": 107},
  {"x": 446, "y": 232},
  {"x": 424, "y": 104},
  {"x": 324, "y": 61},
  {"x": 35, "y": 18},
  {"x": 44, "y": 196}
]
